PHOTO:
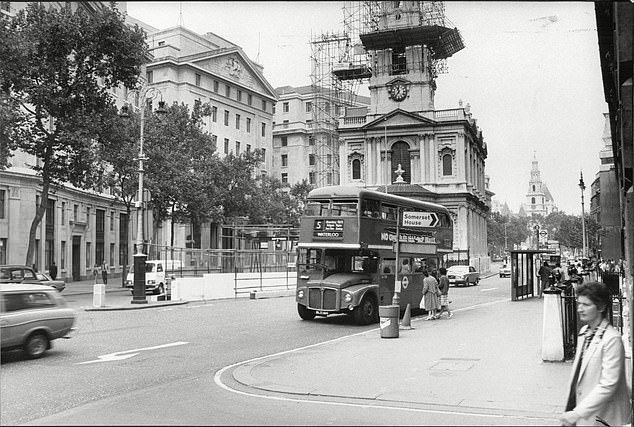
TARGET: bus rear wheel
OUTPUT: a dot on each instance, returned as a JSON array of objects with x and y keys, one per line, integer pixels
[
  {"x": 367, "y": 312},
  {"x": 305, "y": 313}
]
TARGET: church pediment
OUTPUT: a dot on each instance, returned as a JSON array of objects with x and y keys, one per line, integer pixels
[
  {"x": 234, "y": 66},
  {"x": 398, "y": 118}
]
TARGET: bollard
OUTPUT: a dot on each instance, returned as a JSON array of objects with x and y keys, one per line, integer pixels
[
  {"x": 98, "y": 295},
  {"x": 552, "y": 327},
  {"x": 388, "y": 318},
  {"x": 175, "y": 294}
]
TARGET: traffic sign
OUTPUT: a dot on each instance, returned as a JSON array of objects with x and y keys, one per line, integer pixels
[
  {"x": 405, "y": 281},
  {"x": 543, "y": 233},
  {"x": 420, "y": 219}
]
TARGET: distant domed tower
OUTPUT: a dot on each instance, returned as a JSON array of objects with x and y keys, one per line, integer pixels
[{"x": 539, "y": 201}]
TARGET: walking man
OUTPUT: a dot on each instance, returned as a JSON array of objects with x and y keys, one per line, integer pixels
[
  {"x": 544, "y": 273},
  {"x": 53, "y": 271},
  {"x": 443, "y": 285},
  {"x": 104, "y": 272}
]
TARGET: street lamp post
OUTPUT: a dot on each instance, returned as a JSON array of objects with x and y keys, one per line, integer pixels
[
  {"x": 582, "y": 186},
  {"x": 138, "y": 292}
]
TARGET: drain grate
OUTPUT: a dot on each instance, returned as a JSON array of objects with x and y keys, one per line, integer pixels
[{"x": 453, "y": 364}]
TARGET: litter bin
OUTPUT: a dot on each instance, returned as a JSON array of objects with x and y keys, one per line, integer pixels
[{"x": 388, "y": 318}]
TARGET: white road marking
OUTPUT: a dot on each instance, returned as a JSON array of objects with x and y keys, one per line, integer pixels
[
  {"x": 219, "y": 383},
  {"x": 488, "y": 289},
  {"x": 122, "y": 355}
]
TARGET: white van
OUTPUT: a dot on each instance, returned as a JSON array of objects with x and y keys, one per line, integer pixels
[{"x": 156, "y": 277}]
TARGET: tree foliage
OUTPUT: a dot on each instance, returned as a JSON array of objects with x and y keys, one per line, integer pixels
[{"x": 55, "y": 75}]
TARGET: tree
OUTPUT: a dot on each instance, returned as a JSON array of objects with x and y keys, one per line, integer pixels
[{"x": 56, "y": 71}]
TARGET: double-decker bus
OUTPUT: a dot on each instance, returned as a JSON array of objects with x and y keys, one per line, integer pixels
[{"x": 348, "y": 260}]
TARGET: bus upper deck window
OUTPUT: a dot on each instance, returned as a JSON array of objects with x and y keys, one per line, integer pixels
[
  {"x": 371, "y": 208},
  {"x": 344, "y": 209},
  {"x": 317, "y": 208}
]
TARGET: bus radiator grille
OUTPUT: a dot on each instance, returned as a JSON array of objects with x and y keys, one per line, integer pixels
[{"x": 322, "y": 299}]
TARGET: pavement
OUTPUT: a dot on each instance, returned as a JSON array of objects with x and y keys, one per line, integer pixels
[{"x": 484, "y": 362}]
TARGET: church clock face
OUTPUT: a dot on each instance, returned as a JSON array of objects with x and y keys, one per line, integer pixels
[{"x": 398, "y": 92}]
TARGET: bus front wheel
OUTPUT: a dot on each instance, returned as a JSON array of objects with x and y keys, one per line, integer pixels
[
  {"x": 367, "y": 312},
  {"x": 305, "y": 313}
]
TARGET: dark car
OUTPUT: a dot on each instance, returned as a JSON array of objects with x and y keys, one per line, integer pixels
[{"x": 26, "y": 275}]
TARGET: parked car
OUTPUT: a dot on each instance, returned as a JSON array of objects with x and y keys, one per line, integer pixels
[
  {"x": 505, "y": 271},
  {"x": 462, "y": 275},
  {"x": 25, "y": 274},
  {"x": 31, "y": 317}
]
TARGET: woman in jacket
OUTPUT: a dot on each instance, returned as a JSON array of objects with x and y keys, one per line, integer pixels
[
  {"x": 598, "y": 389},
  {"x": 431, "y": 298}
]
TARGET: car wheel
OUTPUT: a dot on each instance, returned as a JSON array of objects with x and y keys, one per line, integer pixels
[
  {"x": 36, "y": 345},
  {"x": 367, "y": 312},
  {"x": 477, "y": 282},
  {"x": 305, "y": 313}
]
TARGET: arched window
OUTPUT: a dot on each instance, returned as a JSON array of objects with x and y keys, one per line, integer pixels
[
  {"x": 532, "y": 200},
  {"x": 446, "y": 164},
  {"x": 356, "y": 169},
  {"x": 533, "y": 188},
  {"x": 400, "y": 156}
]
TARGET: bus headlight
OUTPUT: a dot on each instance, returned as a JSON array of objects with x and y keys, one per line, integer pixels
[
  {"x": 347, "y": 297},
  {"x": 300, "y": 293}
]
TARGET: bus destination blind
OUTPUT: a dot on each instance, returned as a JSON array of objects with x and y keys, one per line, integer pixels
[{"x": 328, "y": 229}]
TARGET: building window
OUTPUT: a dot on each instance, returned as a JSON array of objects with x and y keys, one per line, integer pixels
[
  {"x": 446, "y": 165},
  {"x": 400, "y": 156},
  {"x": 62, "y": 256},
  {"x": 237, "y": 147},
  {"x": 249, "y": 99},
  {"x": 197, "y": 79},
  {"x": 111, "y": 263},
  {"x": 399, "y": 61},
  {"x": 216, "y": 84},
  {"x": 329, "y": 178},
  {"x": 112, "y": 221},
  {"x": 311, "y": 178},
  {"x": 2, "y": 203},
  {"x": 263, "y": 150},
  {"x": 309, "y": 107},
  {"x": 327, "y": 107},
  {"x": 285, "y": 124},
  {"x": 226, "y": 118},
  {"x": 284, "y": 178},
  {"x": 311, "y": 140},
  {"x": 88, "y": 217},
  {"x": 226, "y": 145},
  {"x": 237, "y": 121},
  {"x": 214, "y": 114},
  {"x": 3, "y": 251},
  {"x": 248, "y": 148},
  {"x": 248, "y": 124},
  {"x": 284, "y": 159},
  {"x": 309, "y": 123},
  {"x": 263, "y": 105},
  {"x": 75, "y": 212},
  {"x": 150, "y": 76},
  {"x": 228, "y": 91},
  {"x": 274, "y": 109},
  {"x": 532, "y": 200},
  {"x": 63, "y": 216},
  {"x": 263, "y": 129},
  {"x": 284, "y": 141},
  {"x": 311, "y": 160},
  {"x": 239, "y": 96},
  {"x": 356, "y": 169},
  {"x": 286, "y": 107},
  {"x": 533, "y": 188},
  {"x": 161, "y": 43}
]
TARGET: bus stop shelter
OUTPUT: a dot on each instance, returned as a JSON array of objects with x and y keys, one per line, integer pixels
[{"x": 523, "y": 273}]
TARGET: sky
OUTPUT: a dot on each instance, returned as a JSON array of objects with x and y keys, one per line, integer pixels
[{"x": 530, "y": 72}]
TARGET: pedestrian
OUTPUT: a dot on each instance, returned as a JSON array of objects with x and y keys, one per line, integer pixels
[
  {"x": 95, "y": 271},
  {"x": 598, "y": 390},
  {"x": 431, "y": 295},
  {"x": 104, "y": 272},
  {"x": 52, "y": 270},
  {"x": 543, "y": 273},
  {"x": 558, "y": 273},
  {"x": 443, "y": 285}
]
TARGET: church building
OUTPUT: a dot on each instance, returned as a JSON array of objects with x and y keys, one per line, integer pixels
[{"x": 402, "y": 145}]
